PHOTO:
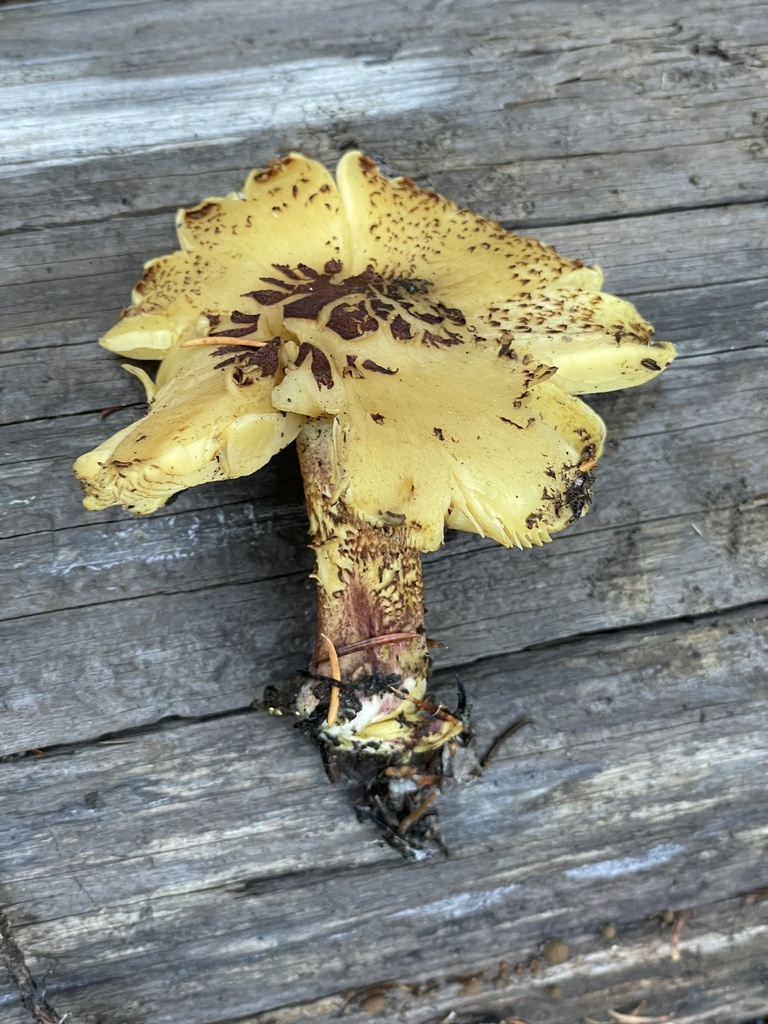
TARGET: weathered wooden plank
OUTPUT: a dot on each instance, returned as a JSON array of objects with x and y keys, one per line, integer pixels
[
  {"x": 716, "y": 318},
  {"x": 696, "y": 685},
  {"x": 57, "y": 381},
  {"x": 534, "y": 192},
  {"x": 13, "y": 1012},
  {"x": 724, "y": 948},
  {"x": 663, "y": 542},
  {"x": 93, "y": 669},
  {"x": 204, "y": 871},
  {"x": 66, "y": 286},
  {"x": 709, "y": 976},
  {"x": 420, "y": 60},
  {"x": 172, "y": 654},
  {"x": 121, "y": 664},
  {"x": 235, "y": 547},
  {"x": 506, "y": 184},
  {"x": 721, "y": 255},
  {"x": 244, "y": 544},
  {"x": 55, "y": 30},
  {"x": 232, "y": 875}
]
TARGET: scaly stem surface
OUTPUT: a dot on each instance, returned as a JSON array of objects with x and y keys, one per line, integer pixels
[
  {"x": 369, "y": 583},
  {"x": 369, "y": 587}
]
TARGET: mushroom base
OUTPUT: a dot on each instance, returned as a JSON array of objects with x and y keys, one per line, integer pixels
[
  {"x": 384, "y": 733},
  {"x": 393, "y": 784},
  {"x": 378, "y": 715}
]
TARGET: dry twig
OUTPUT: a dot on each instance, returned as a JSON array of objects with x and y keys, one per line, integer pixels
[
  {"x": 31, "y": 994},
  {"x": 677, "y": 930}
]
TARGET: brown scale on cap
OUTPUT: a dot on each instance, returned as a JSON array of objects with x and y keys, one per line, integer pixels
[{"x": 321, "y": 366}]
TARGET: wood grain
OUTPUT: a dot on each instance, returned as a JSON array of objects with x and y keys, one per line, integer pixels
[
  {"x": 172, "y": 856},
  {"x": 662, "y": 543},
  {"x": 208, "y": 835}
]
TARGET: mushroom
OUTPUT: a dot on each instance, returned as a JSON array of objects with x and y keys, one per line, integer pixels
[{"x": 426, "y": 361}]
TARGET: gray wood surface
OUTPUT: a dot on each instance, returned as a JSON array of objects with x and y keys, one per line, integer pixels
[{"x": 169, "y": 855}]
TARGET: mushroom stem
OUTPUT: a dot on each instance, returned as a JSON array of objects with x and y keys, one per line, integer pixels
[
  {"x": 369, "y": 582},
  {"x": 369, "y": 589}
]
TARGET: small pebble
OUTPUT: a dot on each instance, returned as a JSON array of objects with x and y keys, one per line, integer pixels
[
  {"x": 472, "y": 986},
  {"x": 608, "y": 931},
  {"x": 555, "y": 951},
  {"x": 667, "y": 916},
  {"x": 555, "y": 993}
]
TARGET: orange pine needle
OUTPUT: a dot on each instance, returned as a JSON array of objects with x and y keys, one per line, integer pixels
[
  {"x": 377, "y": 641},
  {"x": 417, "y": 813},
  {"x": 333, "y": 703},
  {"x": 224, "y": 339},
  {"x": 440, "y": 711}
]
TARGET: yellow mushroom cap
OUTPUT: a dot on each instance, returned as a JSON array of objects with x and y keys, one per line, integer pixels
[
  {"x": 428, "y": 434},
  {"x": 212, "y": 420},
  {"x": 446, "y": 351},
  {"x": 285, "y": 215}
]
